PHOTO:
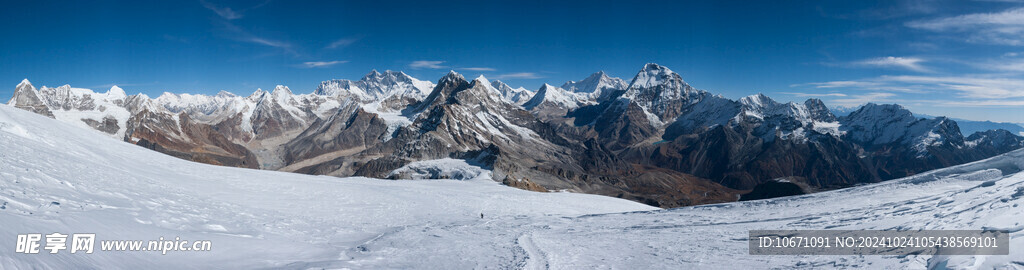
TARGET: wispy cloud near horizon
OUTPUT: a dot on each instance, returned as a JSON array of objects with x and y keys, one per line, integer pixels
[
  {"x": 813, "y": 95},
  {"x": 421, "y": 64},
  {"x": 237, "y": 33},
  {"x": 1005, "y": 27},
  {"x": 477, "y": 69},
  {"x": 339, "y": 43},
  {"x": 861, "y": 99},
  {"x": 961, "y": 91},
  {"x": 224, "y": 12},
  {"x": 519, "y": 75},
  {"x": 322, "y": 64},
  {"x": 908, "y": 63}
]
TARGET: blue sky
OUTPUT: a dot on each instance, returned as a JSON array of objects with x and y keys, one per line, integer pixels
[{"x": 962, "y": 59}]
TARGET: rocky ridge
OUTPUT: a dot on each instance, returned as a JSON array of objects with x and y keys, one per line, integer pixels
[{"x": 655, "y": 139}]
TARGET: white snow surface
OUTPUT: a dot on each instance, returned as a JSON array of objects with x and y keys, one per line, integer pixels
[
  {"x": 265, "y": 219},
  {"x": 255, "y": 219}
]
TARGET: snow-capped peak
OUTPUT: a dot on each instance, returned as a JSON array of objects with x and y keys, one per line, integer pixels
[
  {"x": 372, "y": 75},
  {"x": 653, "y": 75},
  {"x": 378, "y": 92},
  {"x": 758, "y": 101},
  {"x": 483, "y": 79},
  {"x": 658, "y": 90},
  {"x": 25, "y": 85},
  {"x": 595, "y": 83},
  {"x": 501, "y": 86},
  {"x": 223, "y": 93},
  {"x": 596, "y": 86},
  {"x": 554, "y": 95},
  {"x": 515, "y": 95},
  {"x": 116, "y": 93},
  {"x": 875, "y": 124},
  {"x": 879, "y": 111},
  {"x": 257, "y": 95},
  {"x": 761, "y": 106},
  {"x": 25, "y": 93},
  {"x": 655, "y": 81},
  {"x": 167, "y": 95},
  {"x": 281, "y": 90},
  {"x": 452, "y": 76},
  {"x": 655, "y": 66},
  {"x": 376, "y": 87}
]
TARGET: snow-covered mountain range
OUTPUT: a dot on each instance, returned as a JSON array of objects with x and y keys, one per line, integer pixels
[
  {"x": 66, "y": 178},
  {"x": 656, "y": 139}
]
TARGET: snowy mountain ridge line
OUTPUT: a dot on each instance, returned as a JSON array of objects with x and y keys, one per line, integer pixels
[
  {"x": 214, "y": 108},
  {"x": 656, "y": 130}
]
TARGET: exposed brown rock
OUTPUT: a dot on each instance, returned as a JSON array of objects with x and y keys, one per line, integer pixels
[{"x": 524, "y": 183}]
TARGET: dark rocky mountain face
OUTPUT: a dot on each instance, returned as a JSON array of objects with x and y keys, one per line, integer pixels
[
  {"x": 350, "y": 129},
  {"x": 736, "y": 158},
  {"x": 655, "y": 140},
  {"x": 993, "y": 140},
  {"x": 773, "y": 189},
  {"x": 741, "y": 144},
  {"x": 186, "y": 139},
  {"x": 624, "y": 124},
  {"x": 660, "y": 91}
]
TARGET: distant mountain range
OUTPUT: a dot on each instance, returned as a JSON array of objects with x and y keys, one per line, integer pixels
[
  {"x": 966, "y": 126},
  {"x": 654, "y": 139}
]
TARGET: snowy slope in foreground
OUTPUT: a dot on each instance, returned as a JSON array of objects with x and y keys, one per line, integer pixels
[
  {"x": 280, "y": 220},
  {"x": 253, "y": 218}
]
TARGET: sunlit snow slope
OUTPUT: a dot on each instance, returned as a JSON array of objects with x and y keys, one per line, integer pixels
[
  {"x": 254, "y": 218},
  {"x": 60, "y": 178}
]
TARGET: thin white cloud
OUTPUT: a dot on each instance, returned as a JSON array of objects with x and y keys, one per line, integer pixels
[
  {"x": 426, "y": 64},
  {"x": 1005, "y": 27},
  {"x": 478, "y": 69},
  {"x": 239, "y": 34},
  {"x": 322, "y": 64},
  {"x": 966, "y": 90},
  {"x": 839, "y": 84},
  {"x": 271, "y": 43},
  {"x": 799, "y": 94},
  {"x": 866, "y": 84},
  {"x": 909, "y": 63},
  {"x": 967, "y": 86},
  {"x": 224, "y": 12},
  {"x": 519, "y": 75},
  {"x": 341, "y": 43},
  {"x": 857, "y": 100},
  {"x": 1005, "y": 64},
  {"x": 984, "y": 103}
]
